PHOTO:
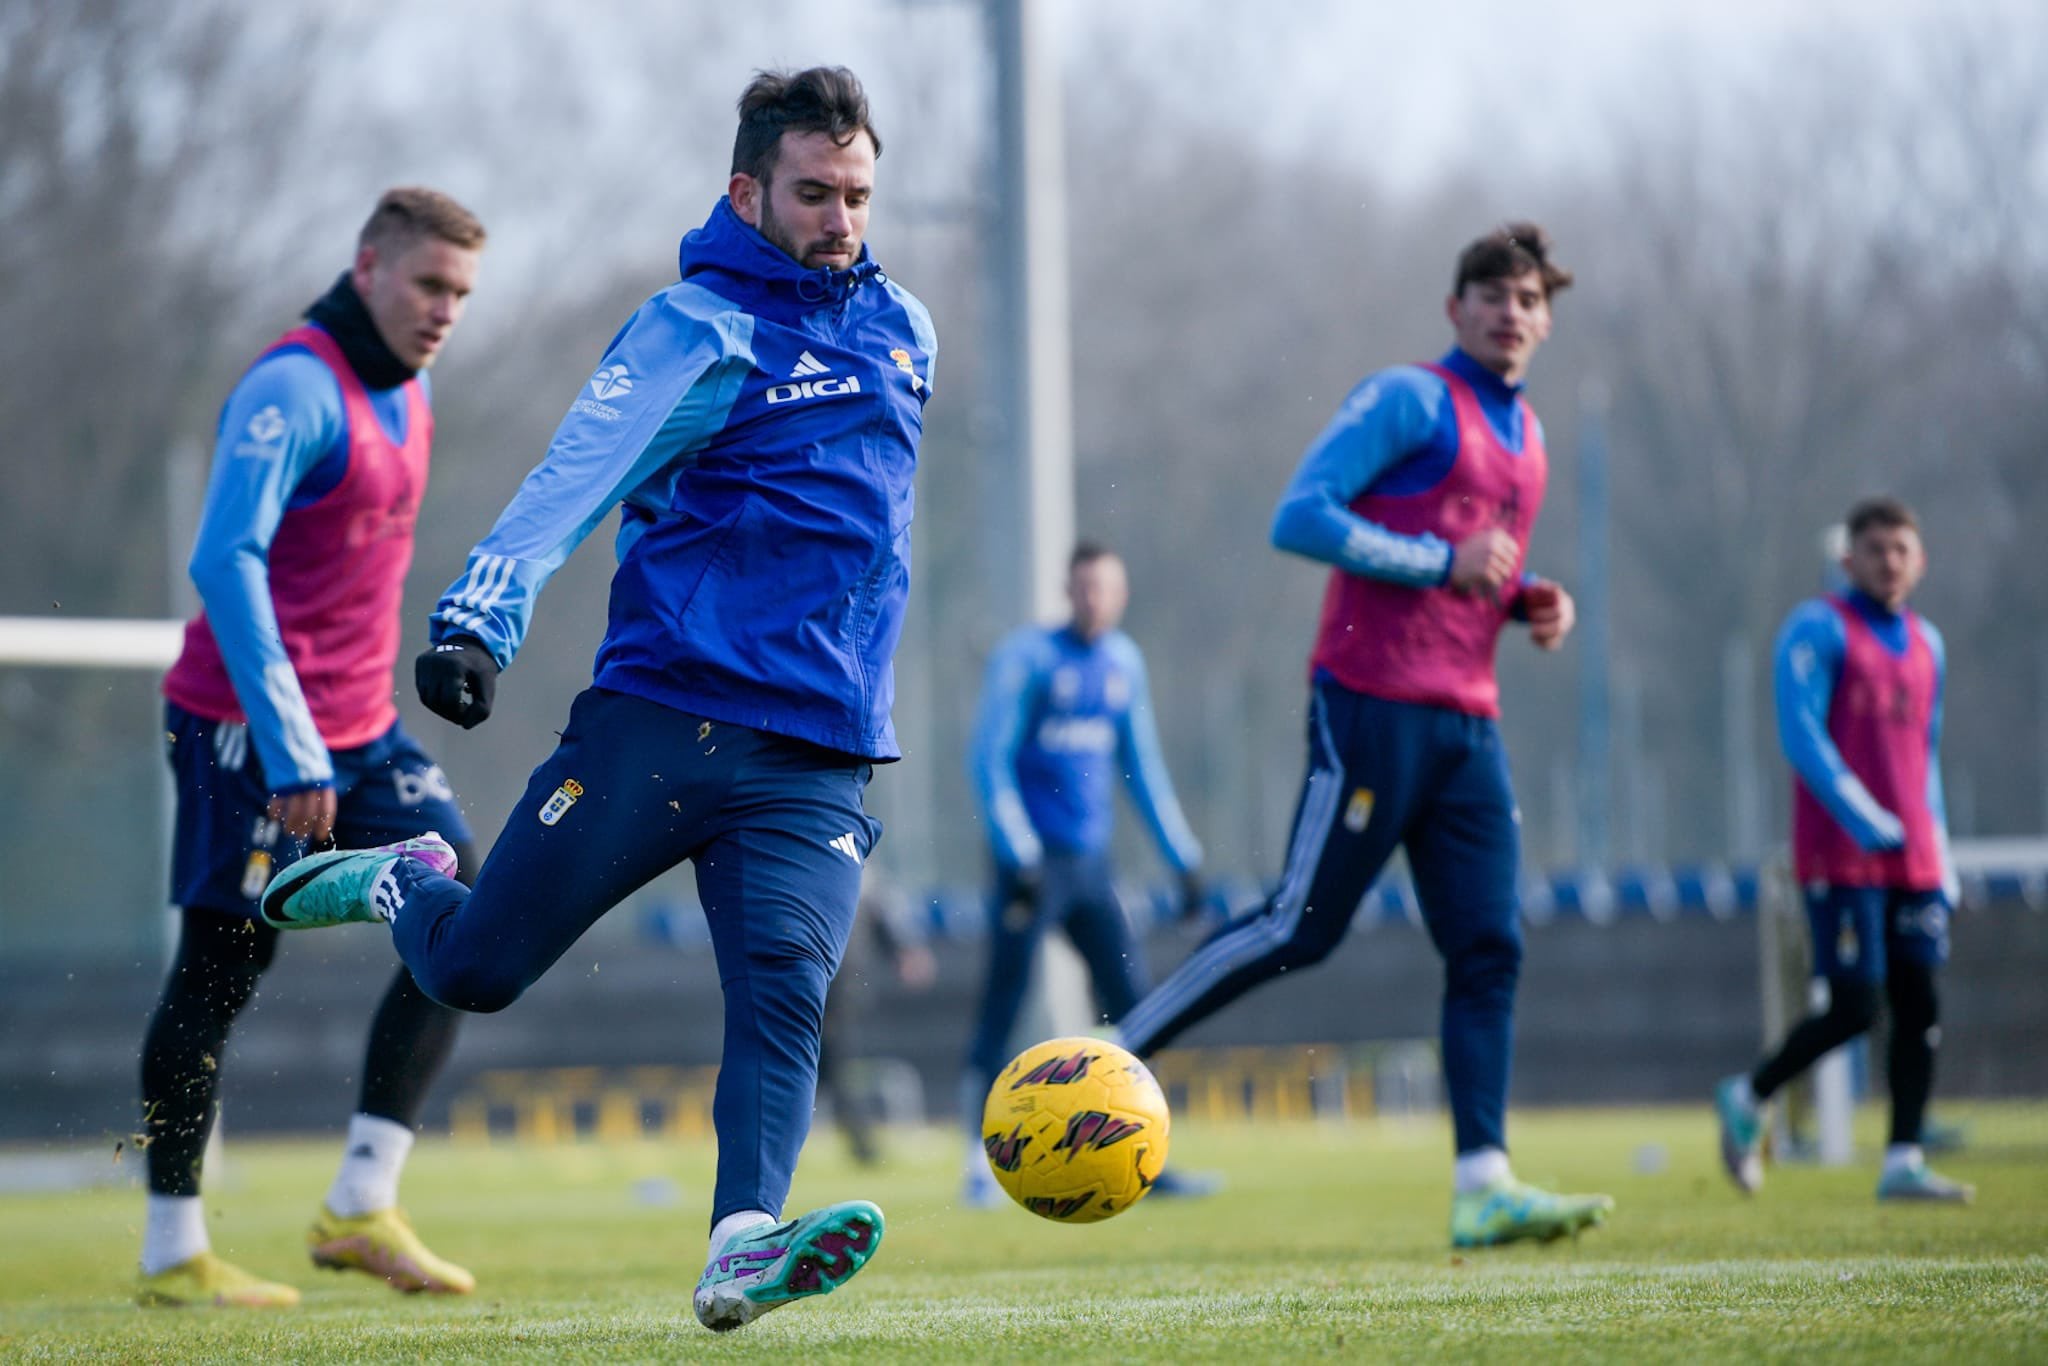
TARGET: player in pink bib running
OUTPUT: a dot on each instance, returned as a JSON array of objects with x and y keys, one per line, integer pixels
[{"x": 1420, "y": 494}]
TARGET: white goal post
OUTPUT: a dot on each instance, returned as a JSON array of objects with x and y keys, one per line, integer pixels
[
  {"x": 148, "y": 644},
  {"x": 89, "y": 642},
  {"x": 144, "y": 644}
]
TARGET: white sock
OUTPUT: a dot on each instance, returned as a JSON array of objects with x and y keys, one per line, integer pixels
[
  {"x": 174, "y": 1231},
  {"x": 722, "y": 1232},
  {"x": 368, "y": 1179},
  {"x": 1480, "y": 1168},
  {"x": 1903, "y": 1157}
]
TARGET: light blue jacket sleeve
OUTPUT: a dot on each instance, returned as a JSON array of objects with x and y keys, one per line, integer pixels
[
  {"x": 1010, "y": 692},
  {"x": 1387, "y": 418},
  {"x": 281, "y": 421},
  {"x": 665, "y": 387},
  {"x": 1807, "y": 661},
  {"x": 1144, "y": 766}
]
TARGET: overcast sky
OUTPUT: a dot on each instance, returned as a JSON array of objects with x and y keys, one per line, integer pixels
[
  {"x": 619, "y": 111},
  {"x": 1410, "y": 81}
]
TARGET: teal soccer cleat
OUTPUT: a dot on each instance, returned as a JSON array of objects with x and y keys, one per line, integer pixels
[
  {"x": 1742, "y": 1135},
  {"x": 770, "y": 1265},
  {"x": 1922, "y": 1184},
  {"x": 344, "y": 885},
  {"x": 978, "y": 1189},
  {"x": 1509, "y": 1211},
  {"x": 1172, "y": 1184}
]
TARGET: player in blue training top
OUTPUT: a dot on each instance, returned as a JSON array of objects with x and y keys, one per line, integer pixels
[
  {"x": 1859, "y": 679},
  {"x": 759, "y": 421},
  {"x": 283, "y": 733},
  {"x": 1421, "y": 494},
  {"x": 1064, "y": 711}
]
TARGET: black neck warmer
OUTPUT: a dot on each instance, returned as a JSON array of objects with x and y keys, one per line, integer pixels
[{"x": 342, "y": 314}]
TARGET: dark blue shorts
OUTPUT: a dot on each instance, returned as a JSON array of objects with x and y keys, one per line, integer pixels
[
  {"x": 226, "y": 847},
  {"x": 1858, "y": 930}
]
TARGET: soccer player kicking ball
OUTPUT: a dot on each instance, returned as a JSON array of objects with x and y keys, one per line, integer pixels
[
  {"x": 1858, "y": 678},
  {"x": 1421, "y": 493},
  {"x": 282, "y": 733},
  {"x": 759, "y": 420}
]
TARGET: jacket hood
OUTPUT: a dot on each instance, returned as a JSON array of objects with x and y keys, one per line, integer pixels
[{"x": 735, "y": 260}]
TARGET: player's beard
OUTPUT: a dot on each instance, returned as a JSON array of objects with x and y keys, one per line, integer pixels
[{"x": 772, "y": 228}]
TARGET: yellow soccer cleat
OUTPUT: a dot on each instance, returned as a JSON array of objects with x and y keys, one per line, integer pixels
[
  {"x": 207, "y": 1282},
  {"x": 383, "y": 1244}
]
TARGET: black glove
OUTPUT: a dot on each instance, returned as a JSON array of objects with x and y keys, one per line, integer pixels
[
  {"x": 1020, "y": 901},
  {"x": 1194, "y": 895},
  {"x": 457, "y": 680},
  {"x": 1026, "y": 883}
]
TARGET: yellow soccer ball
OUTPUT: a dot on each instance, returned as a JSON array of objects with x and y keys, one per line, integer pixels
[{"x": 1075, "y": 1130}]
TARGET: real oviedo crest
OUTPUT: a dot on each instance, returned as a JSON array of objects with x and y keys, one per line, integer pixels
[{"x": 556, "y": 806}]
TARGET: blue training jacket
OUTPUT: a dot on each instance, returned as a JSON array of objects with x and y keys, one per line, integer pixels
[
  {"x": 1060, "y": 718},
  {"x": 759, "y": 421}
]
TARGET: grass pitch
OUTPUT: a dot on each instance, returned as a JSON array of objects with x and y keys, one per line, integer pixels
[{"x": 1329, "y": 1242}]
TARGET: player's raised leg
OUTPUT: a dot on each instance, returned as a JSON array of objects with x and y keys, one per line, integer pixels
[
  {"x": 627, "y": 794},
  {"x": 351, "y": 886}
]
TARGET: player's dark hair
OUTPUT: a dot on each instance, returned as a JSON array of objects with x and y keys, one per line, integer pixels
[
  {"x": 1509, "y": 250},
  {"x": 824, "y": 99},
  {"x": 1088, "y": 552},
  {"x": 410, "y": 212},
  {"x": 1883, "y": 510}
]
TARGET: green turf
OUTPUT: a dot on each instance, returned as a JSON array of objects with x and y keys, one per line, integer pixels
[{"x": 1330, "y": 1242}]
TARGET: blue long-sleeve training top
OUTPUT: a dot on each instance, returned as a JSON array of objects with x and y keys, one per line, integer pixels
[
  {"x": 1396, "y": 434},
  {"x": 1060, "y": 719}
]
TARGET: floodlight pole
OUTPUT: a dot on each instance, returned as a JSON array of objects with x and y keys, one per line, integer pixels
[
  {"x": 1596, "y": 718},
  {"x": 1034, "y": 370}
]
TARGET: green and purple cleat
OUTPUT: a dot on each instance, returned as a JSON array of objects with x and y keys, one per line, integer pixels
[
  {"x": 1509, "y": 1211},
  {"x": 1919, "y": 1183},
  {"x": 349, "y": 885},
  {"x": 770, "y": 1265}
]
